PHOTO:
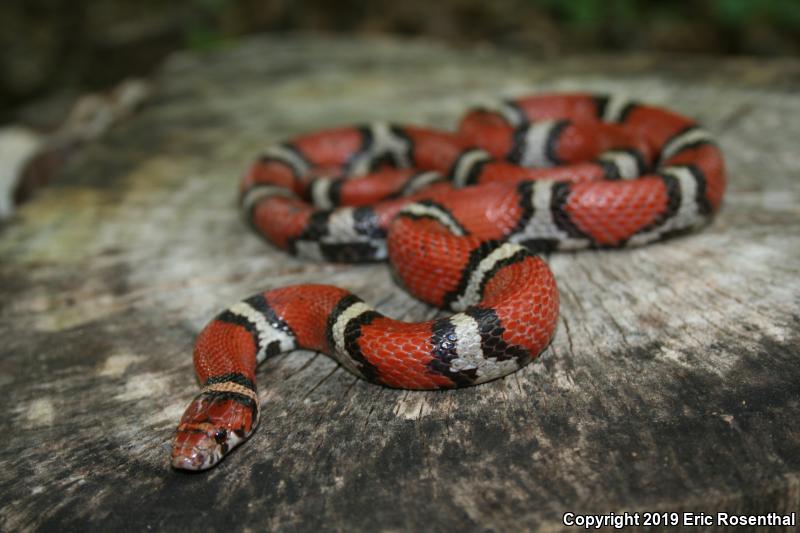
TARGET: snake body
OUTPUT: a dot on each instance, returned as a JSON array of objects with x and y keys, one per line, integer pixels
[{"x": 460, "y": 217}]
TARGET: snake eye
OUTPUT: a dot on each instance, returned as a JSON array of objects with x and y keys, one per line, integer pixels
[{"x": 221, "y": 436}]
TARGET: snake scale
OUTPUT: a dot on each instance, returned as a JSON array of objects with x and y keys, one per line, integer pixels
[{"x": 460, "y": 216}]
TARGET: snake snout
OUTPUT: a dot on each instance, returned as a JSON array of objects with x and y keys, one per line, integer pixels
[
  {"x": 196, "y": 448},
  {"x": 212, "y": 425}
]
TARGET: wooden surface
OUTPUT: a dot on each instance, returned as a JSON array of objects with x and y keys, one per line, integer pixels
[{"x": 673, "y": 381}]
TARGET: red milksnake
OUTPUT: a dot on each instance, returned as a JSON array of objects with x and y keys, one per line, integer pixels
[{"x": 460, "y": 217}]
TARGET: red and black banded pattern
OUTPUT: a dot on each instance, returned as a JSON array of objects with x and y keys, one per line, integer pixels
[{"x": 459, "y": 216}]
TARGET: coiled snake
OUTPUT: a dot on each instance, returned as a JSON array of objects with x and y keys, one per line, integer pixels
[{"x": 460, "y": 217}]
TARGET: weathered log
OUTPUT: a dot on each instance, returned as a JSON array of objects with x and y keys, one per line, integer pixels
[{"x": 672, "y": 384}]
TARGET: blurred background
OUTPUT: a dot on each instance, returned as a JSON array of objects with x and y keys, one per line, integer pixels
[{"x": 53, "y": 50}]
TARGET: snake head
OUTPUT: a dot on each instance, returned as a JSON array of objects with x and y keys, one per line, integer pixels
[{"x": 212, "y": 425}]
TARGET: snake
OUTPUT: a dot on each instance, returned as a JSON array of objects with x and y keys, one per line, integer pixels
[{"x": 463, "y": 218}]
